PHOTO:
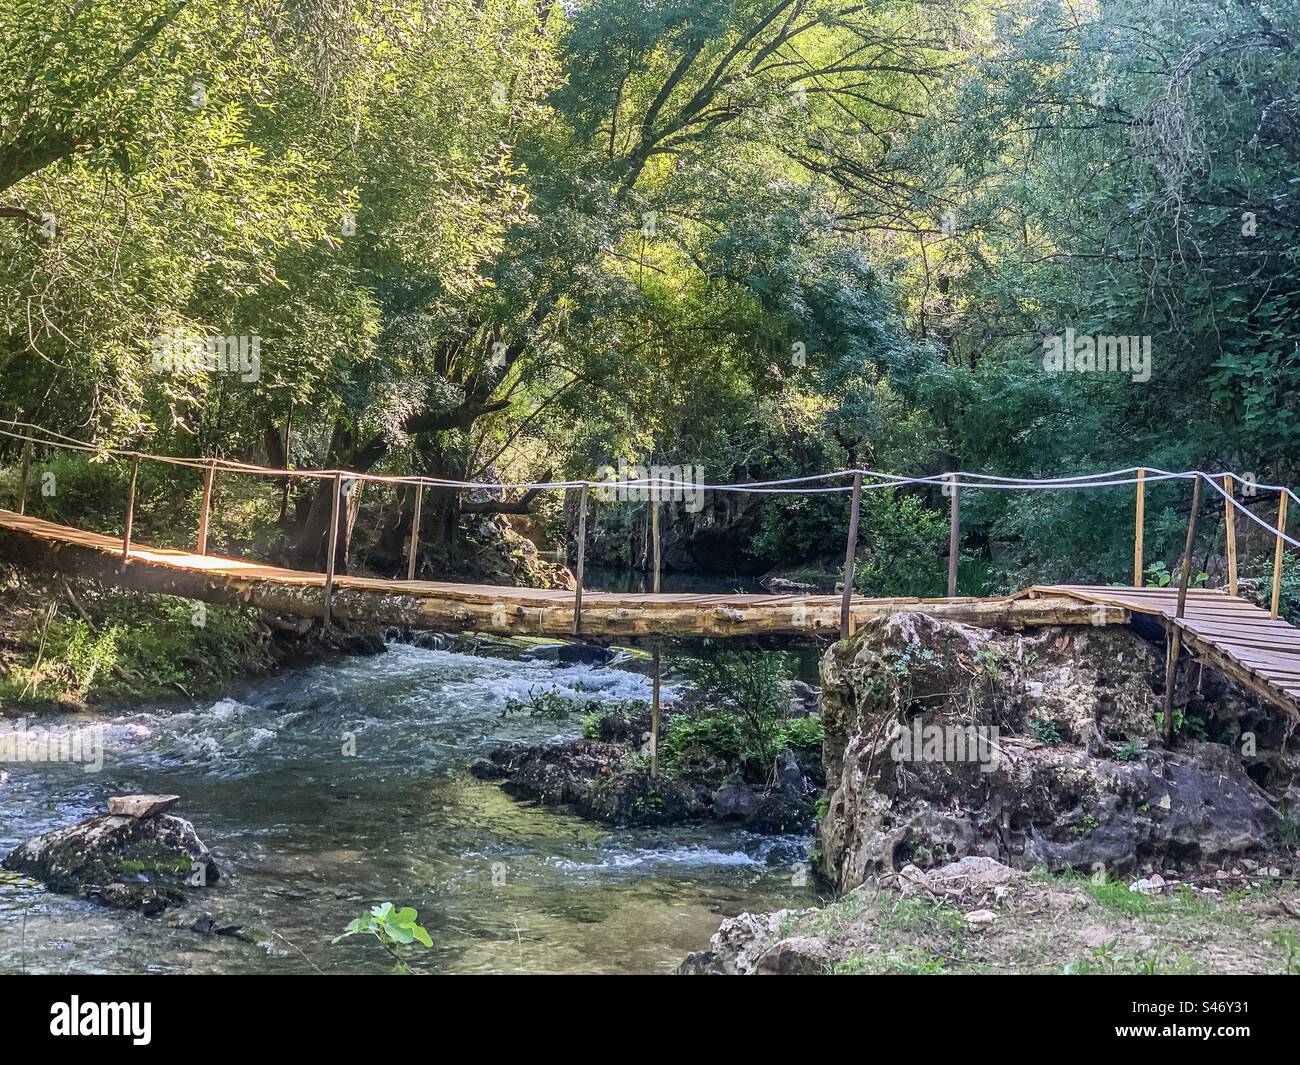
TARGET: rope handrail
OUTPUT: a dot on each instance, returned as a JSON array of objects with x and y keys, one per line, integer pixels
[{"x": 784, "y": 486}]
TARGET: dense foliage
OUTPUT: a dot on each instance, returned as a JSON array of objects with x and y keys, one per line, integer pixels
[{"x": 503, "y": 239}]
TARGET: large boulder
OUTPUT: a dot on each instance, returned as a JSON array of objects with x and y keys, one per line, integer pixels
[
  {"x": 1061, "y": 763},
  {"x": 144, "y": 863}
]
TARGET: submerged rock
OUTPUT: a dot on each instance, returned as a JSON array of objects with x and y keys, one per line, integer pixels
[
  {"x": 1071, "y": 773},
  {"x": 144, "y": 863},
  {"x": 606, "y": 780}
]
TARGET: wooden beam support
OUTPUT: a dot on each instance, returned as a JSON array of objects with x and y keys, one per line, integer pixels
[
  {"x": 1230, "y": 533},
  {"x": 582, "y": 558},
  {"x": 331, "y": 546},
  {"x": 954, "y": 525},
  {"x": 850, "y": 556},
  {"x": 1278, "y": 548},
  {"x": 414, "y": 549},
  {"x": 1139, "y": 526},
  {"x": 205, "y": 508}
]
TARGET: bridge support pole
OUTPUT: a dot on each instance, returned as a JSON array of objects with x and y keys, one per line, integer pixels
[
  {"x": 1176, "y": 632},
  {"x": 1230, "y": 534},
  {"x": 331, "y": 546},
  {"x": 130, "y": 512},
  {"x": 654, "y": 717},
  {"x": 954, "y": 527},
  {"x": 205, "y": 508},
  {"x": 1278, "y": 547},
  {"x": 23, "y": 472},
  {"x": 415, "y": 533},
  {"x": 850, "y": 556},
  {"x": 582, "y": 558},
  {"x": 1139, "y": 525}
]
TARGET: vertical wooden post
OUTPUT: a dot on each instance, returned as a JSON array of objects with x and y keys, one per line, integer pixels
[
  {"x": 954, "y": 524},
  {"x": 130, "y": 511},
  {"x": 654, "y": 718},
  {"x": 23, "y": 472},
  {"x": 1176, "y": 632},
  {"x": 331, "y": 545},
  {"x": 415, "y": 533},
  {"x": 850, "y": 556},
  {"x": 1230, "y": 533},
  {"x": 654, "y": 535},
  {"x": 1139, "y": 527},
  {"x": 1277, "y": 555},
  {"x": 582, "y": 558},
  {"x": 205, "y": 508}
]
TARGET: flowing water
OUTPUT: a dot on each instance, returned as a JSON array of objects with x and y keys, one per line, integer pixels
[{"x": 309, "y": 837}]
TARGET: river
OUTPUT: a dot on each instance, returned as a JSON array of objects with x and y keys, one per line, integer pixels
[{"x": 309, "y": 838}]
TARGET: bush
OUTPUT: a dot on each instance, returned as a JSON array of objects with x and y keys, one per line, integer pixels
[
  {"x": 804, "y": 737},
  {"x": 688, "y": 740},
  {"x": 752, "y": 689}
]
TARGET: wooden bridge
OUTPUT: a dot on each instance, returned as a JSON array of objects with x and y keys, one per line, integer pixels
[
  {"x": 1253, "y": 646},
  {"x": 1226, "y": 632}
]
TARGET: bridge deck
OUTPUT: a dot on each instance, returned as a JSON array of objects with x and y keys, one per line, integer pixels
[
  {"x": 1229, "y": 633},
  {"x": 446, "y": 606}
]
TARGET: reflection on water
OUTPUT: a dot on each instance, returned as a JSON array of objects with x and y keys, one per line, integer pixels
[{"x": 309, "y": 837}]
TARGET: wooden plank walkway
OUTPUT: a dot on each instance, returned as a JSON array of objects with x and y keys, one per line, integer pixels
[
  {"x": 1234, "y": 636},
  {"x": 43, "y": 546}
]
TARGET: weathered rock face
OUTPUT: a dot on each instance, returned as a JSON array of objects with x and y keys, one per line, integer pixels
[
  {"x": 1074, "y": 775},
  {"x": 138, "y": 863}
]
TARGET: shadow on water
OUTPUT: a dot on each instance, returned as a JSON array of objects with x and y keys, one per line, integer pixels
[{"x": 310, "y": 837}]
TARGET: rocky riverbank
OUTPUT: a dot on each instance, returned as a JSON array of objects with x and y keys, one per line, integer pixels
[
  {"x": 1028, "y": 760},
  {"x": 606, "y": 777}
]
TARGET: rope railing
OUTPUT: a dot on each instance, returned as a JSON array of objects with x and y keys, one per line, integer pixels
[{"x": 655, "y": 488}]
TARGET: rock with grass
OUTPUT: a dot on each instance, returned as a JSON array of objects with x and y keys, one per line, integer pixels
[{"x": 139, "y": 859}]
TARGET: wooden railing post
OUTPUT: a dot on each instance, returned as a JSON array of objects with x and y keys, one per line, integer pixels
[
  {"x": 331, "y": 546},
  {"x": 415, "y": 533},
  {"x": 1138, "y": 527},
  {"x": 130, "y": 512},
  {"x": 1278, "y": 548},
  {"x": 850, "y": 556},
  {"x": 23, "y": 472},
  {"x": 205, "y": 508},
  {"x": 582, "y": 557},
  {"x": 954, "y": 524},
  {"x": 654, "y": 536},
  {"x": 1176, "y": 632},
  {"x": 1230, "y": 533}
]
